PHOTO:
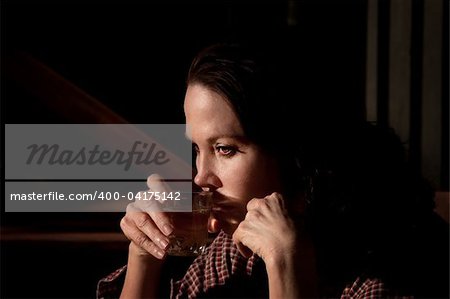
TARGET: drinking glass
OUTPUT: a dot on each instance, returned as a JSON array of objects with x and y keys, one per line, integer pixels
[{"x": 190, "y": 236}]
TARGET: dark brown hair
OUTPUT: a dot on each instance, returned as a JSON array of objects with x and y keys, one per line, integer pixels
[{"x": 248, "y": 77}]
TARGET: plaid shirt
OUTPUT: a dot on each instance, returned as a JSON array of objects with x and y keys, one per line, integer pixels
[{"x": 216, "y": 266}]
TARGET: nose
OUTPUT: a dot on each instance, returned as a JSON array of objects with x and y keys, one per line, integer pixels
[{"x": 206, "y": 176}]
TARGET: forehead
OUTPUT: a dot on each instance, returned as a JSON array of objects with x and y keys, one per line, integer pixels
[{"x": 208, "y": 113}]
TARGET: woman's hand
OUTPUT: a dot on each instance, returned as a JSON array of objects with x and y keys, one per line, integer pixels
[
  {"x": 267, "y": 229},
  {"x": 286, "y": 250},
  {"x": 146, "y": 226}
]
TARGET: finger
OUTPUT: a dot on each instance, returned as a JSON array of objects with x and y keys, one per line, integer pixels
[
  {"x": 140, "y": 239},
  {"x": 239, "y": 240},
  {"x": 278, "y": 204},
  {"x": 258, "y": 204},
  {"x": 253, "y": 204},
  {"x": 129, "y": 226},
  {"x": 133, "y": 207},
  {"x": 153, "y": 209},
  {"x": 155, "y": 182},
  {"x": 124, "y": 225},
  {"x": 277, "y": 199},
  {"x": 145, "y": 224},
  {"x": 143, "y": 202},
  {"x": 163, "y": 222},
  {"x": 254, "y": 216}
]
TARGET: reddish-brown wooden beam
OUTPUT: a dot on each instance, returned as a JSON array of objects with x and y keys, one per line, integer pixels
[{"x": 59, "y": 94}]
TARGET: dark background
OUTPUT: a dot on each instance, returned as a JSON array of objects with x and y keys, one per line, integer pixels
[{"x": 133, "y": 57}]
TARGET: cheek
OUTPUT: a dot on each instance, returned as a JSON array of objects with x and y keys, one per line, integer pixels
[
  {"x": 261, "y": 177},
  {"x": 235, "y": 178},
  {"x": 248, "y": 177}
]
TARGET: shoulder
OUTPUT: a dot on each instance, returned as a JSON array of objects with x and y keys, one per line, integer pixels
[{"x": 369, "y": 288}]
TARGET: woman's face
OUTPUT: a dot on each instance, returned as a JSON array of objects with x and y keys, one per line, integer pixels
[{"x": 228, "y": 164}]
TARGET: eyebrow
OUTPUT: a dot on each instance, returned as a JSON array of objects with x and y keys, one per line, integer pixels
[
  {"x": 212, "y": 139},
  {"x": 240, "y": 138}
]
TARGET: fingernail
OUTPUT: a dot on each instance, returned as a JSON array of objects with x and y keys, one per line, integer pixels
[
  {"x": 167, "y": 229},
  {"x": 160, "y": 253},
  {"x": 164, "y": 244}
]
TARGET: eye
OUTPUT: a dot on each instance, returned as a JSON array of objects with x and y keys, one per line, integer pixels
[{"x": 226, "y": 150}]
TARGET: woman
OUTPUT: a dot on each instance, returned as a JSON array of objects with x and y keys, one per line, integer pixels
[{"x": 283, "y": 201}]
